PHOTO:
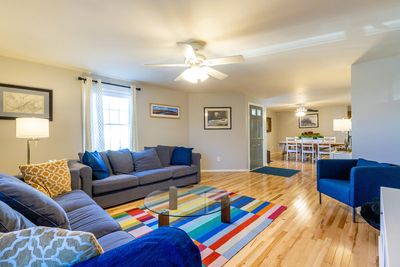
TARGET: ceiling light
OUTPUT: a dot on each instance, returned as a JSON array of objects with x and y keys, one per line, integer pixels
[
  {"x": 195, "y": 74},
  {"x": 301, "y": 111}
]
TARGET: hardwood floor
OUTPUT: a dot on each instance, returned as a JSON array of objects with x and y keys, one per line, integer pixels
[{"x": 307, "y": 233}]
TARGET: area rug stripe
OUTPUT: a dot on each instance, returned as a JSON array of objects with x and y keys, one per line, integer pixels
[{"x": 218, "y": 242}]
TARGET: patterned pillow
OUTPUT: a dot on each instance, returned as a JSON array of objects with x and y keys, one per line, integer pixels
[
  {"x": 51, "y": 178},
  {"x": 45, "y": 246}
]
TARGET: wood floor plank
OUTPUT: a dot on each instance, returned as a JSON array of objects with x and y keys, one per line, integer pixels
[{"x": 307, "y": 233}]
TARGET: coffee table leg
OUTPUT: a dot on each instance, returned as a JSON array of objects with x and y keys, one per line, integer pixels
[
  {"x": 173, "y": 198},
  {"x": 163, "y": 219},
  {"x": 226, "y": 210}
]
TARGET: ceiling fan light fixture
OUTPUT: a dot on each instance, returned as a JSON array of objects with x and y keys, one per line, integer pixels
[
  {"x": 195, "y": 74},
  {"x": 301, "y": 111}
]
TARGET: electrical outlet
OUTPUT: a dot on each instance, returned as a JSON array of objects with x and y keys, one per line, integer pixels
[{"x": 219, "y": 158}]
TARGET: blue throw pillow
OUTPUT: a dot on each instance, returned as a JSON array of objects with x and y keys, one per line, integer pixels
[
  {"x": 94, "y": 161},
  {"x": 181, "y": 156}
]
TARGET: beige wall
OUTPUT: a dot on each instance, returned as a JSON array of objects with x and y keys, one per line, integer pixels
[
  {"x": 376, "y": 109},
  {"x": 272, "y": 137},
  {"x": 65, "y": 129},
  {"x": 287, "y": 123},
  {"x": 230, "y": 146},
  {"x": 155, "y": 131}
]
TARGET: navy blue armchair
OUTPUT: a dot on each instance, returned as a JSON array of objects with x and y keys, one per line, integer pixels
[{"x": 355, "y": 182}]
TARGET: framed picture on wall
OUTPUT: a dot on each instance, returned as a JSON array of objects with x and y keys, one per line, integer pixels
[
  {"x": 164, "y": 111},
  {"x": 217, "y": 118},
  {"x": 23, "y": 101},
  {"x": 269, "y": 124},
  {"x": 309, "y": 121}
]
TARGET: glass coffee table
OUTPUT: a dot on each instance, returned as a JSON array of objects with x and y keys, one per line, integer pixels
[{"x": 191, "y": 201}]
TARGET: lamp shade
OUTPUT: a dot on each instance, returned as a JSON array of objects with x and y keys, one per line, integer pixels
[
  {"x": 342, "y": 125},
  {"x": 32, "y": 128}
]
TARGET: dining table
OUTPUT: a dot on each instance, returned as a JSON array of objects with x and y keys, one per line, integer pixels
[{"x": 282, "y": 145}]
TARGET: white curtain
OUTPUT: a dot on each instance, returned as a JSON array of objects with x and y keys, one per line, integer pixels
[
  {"x": 134, "y": 134},
  {"x": 92, "y": 115}
]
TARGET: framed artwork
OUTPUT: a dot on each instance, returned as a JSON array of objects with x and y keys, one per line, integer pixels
[
  {"x": 23, "y": 101},
  {"x": 217, "y": 118},
  {"x": 309, "y": 121},
  {"x": 164, "y": 111},
  {"x": 269, "y": 124}
]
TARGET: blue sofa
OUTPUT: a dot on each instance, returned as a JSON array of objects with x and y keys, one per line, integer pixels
[{"x": 355, "y": 181}]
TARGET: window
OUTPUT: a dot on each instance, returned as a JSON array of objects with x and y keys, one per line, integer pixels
[{"x": 117, "y": 116}]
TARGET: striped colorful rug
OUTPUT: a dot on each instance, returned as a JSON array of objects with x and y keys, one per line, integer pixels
[{"x": 217, "y": 241}]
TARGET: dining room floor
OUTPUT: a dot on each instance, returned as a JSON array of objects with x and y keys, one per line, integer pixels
[{"x": 307, "y": 233}]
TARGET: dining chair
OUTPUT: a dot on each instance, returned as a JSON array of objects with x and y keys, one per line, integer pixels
[
  {"x": 308, "y": 148},
  {"x": 324, "y": 146},
  {"x": 292, "y": 147}
]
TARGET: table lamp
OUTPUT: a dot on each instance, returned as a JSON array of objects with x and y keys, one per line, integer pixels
[
  {"x": 343, "y": 125},
  {"x": 31, "y": 129}
]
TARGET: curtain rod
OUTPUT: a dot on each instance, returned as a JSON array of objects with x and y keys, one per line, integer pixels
[{"x": 113, "y": 84}]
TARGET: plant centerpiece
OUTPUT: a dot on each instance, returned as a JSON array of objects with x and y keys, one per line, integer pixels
[{"x": 310, "y": 134}]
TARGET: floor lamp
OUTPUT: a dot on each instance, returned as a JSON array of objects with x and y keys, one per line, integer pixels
[
  {"x": 31, "y": 129},
  {"x": 343, "y": 125}
]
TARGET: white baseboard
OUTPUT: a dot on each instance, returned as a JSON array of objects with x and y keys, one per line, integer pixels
[{"x": 226, "y": 170}]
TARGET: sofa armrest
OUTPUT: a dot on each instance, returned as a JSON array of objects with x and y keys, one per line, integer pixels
[
  {"x": 365, "y": 183},
  {"x": 85, "y": 174},
  {"x": 165, "y": 246},
  {"x": 335, "y": 168},
  {"x": 196, "y": 158}
]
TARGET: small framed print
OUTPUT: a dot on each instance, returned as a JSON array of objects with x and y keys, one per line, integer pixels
[
  {"x": 22, "y": 101},
  {"x": 309, "y": 121},
  {"x": 164, "y": 111},
  {"x": 217, "y": 118}
]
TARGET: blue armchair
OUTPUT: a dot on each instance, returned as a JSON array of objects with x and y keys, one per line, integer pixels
[{"x": 355, "y": 182}]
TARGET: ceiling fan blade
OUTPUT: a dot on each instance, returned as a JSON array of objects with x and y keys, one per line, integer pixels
[
  {"x": 312, "y": 110},
  {"x": 224, "y": 60},
  {"x": 215, "y": 73},
  {"x": 179, "y": 78},
  {"x": 166, "y": 65},
  {"x": 189, "y": 52}
]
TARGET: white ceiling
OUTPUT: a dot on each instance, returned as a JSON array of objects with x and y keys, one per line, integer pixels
[{"x": 296, "y": 51}]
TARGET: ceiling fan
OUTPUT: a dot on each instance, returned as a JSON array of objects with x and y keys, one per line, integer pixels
[
  {"x": 302, "y": 110},
  {"x": 198, "y": 67}
]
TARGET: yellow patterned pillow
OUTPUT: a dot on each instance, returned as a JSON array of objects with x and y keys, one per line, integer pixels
[{"x": 51, "y": 178}]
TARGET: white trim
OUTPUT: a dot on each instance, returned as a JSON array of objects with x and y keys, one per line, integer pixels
[
  {"x": 264, "y": 132},
  {"x": 226, "y": 170}
]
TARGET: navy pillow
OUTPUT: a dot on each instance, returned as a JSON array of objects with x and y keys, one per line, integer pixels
[
  {"x": 370, "y": 163},
  {"x": 94, "y": 161},
  {"x": 11, "y": 220},
  {"x": 181, "y": 156}
]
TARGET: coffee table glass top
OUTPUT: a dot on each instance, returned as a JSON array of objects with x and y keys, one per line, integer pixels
[{"x": 188, "y": 201}]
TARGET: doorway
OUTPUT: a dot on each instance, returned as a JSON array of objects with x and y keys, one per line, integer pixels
[{"x": 256, "y": 136}]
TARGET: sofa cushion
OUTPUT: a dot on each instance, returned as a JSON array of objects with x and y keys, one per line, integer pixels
[
  {"x": 338, "y": 189},
  {"x": 182, "y": 170},
  {"x": 95, "y": 161},
  {"x": 12, "y": 220},
  {"x": 51, "y": 178},
  {"x": 33, "y": 204},
  {"x": 164, "y": 154},
  {"x": 114, "y": 240},
  {"x": 181, "y": 156},
  {"x": 146, "y": 160},
  {"x": 47, "y": 246},
  {"x": 153, "y": 176},
  {"x": 371, "y": 163},
  {"x": 121, "y": 161},
  {"x": 115, "y": 182},
  {"x": 74, "y": 200},
  {"x": 93, "y": 219}
]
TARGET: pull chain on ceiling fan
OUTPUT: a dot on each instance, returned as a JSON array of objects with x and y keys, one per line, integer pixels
[{"x": 198, "y": 66}]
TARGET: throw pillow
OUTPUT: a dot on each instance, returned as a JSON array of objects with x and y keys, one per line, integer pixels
[
  {"x": 12, "y": 220},
  {"x": 94, "y": 161},
  {"x": 371, "y": 163},
  {"x": 181, "y": 156},
  {"x": 121, "y": 161},
  {"x": 33, "y": 204},
  {"x": 164, "y": 154},
  {"x": 44, "y": 246},
  {"x": 51, "y": 178},
  {"x": 146, "y": 160}
]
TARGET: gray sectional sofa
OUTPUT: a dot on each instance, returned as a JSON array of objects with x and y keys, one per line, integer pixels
[{"x": 121, "y": 188}]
